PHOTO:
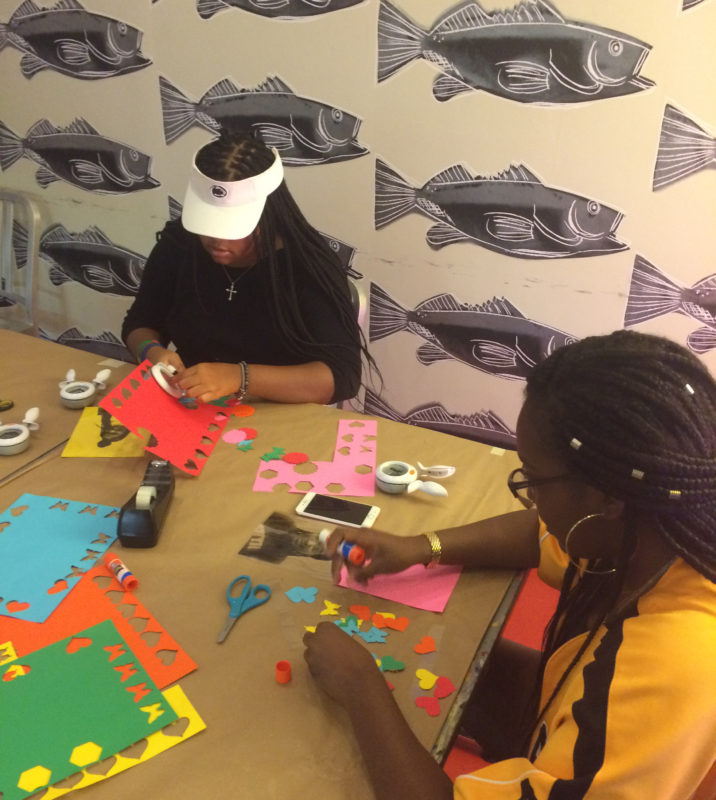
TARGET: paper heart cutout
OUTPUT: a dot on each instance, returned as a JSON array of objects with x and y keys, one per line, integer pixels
[
  {"x": 77, "y": 643},
  {"x": 362, "y": 612},
  {"x": 15, "y": 607},
  {"x": 18, "y": 510},
  {"x": 58, "y": 586},
  {"x": 443, "y": 687},
  {"x": 425, "y": 645},
  {"x": 426, "y": 679},
  {"x": 299, "y": 594},
  {"x": 190, "y": 464},
  {"x": 430, "y": 704},
  {"x": 390, "y": 664},
  {"x": 399, "y": 624}
]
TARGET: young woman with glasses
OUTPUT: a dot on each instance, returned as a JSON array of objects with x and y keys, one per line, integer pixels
[{"x": 617, "y": 438}]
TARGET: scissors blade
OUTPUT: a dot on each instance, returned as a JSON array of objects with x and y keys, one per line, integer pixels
[{"x": 225, "y": 630}]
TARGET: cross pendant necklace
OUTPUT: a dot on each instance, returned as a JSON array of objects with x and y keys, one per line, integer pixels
[{"x": 230, "y": 291}]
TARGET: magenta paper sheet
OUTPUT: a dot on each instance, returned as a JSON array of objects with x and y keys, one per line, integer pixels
[
  {"x": 351, "y": 473},
  {"x": 415, "y": 586}
]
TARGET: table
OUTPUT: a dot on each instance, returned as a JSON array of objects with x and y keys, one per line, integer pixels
[
  {"x": 264, "y": 739},
  {"x": 30, "y": 371}
]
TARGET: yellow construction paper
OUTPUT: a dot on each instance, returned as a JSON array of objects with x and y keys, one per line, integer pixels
[
  {"x": 157, "y": 743},
  {"x": 88, "y": 435}
]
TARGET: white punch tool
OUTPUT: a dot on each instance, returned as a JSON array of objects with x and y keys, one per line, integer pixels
[
  {"x": 16, "y": 438},
  {"x": 395, "y": 477},
  {"x": 78, "y": 394}
]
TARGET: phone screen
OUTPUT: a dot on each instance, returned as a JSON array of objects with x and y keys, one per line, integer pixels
[{"x": 335, "y": 508}]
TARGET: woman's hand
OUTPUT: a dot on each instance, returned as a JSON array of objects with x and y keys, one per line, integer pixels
[
  {"x": 341, "y": 666},
  {"x": 384, "y": 552},
  {"x": 210, "y": 381},
  {"x": 161, "y": 354}
]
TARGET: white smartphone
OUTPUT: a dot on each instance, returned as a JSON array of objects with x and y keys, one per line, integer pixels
[{"x": 337, "y": 510}]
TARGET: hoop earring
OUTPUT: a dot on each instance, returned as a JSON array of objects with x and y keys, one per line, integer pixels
[{"x": 571, "y": 560}]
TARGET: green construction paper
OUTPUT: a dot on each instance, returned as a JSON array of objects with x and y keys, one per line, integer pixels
[{"x": 68, "y": 699}]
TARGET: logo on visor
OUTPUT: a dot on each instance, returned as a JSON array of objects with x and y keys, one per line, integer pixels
[{"x": 218, "y": 192}]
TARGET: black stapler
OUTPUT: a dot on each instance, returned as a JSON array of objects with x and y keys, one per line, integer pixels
[{"x": 141, "y": 517}]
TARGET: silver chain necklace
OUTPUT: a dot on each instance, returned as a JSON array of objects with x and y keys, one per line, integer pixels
[{"x": 230, "y": 291}]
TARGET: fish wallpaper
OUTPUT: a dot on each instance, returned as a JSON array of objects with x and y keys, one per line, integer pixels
[
  {"x": 303, "y": 131},
  {"x": 497, "y": 177},
  {"x": 531, "y": 53},
  {"x": 512, "y": 212}
]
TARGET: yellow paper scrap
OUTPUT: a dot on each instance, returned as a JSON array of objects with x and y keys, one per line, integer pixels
[{"x": 99, "y": 435}]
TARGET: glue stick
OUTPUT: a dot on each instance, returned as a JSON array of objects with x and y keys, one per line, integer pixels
[
  {"x": 120, "y": 571},
  {"x": 352, "y": 553}
]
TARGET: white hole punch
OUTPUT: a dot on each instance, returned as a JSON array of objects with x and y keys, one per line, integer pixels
[
  {"x": 78, "y": 394},
  {"x": 396, "y": 477},
  {"x": 161, "y": 373},
  {"x": 16, "y": 438}
]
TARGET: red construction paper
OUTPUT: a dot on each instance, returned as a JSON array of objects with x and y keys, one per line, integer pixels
[
  {"x": 183, "y": 436},
  {"x": 88, "y": 604}
]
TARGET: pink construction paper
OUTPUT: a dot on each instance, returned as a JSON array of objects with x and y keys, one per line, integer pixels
[
  {"x": 183, "y": 436},
  {"x": 355, "y": 447},
  {"x": 416, "y": 586}
]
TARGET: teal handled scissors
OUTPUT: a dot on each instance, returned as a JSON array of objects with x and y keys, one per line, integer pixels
[{"x": 248, "y": 599}]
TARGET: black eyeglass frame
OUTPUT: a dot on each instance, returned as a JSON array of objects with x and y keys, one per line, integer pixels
[{"x": 515, "y": 486}]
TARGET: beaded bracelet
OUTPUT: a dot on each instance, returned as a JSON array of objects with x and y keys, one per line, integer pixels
[
  {"x": 235, "y": 398},
  {"x": 145, "y": 347}
]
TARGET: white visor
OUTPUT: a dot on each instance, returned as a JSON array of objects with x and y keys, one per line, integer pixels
[{"x": 228, "y": 209}]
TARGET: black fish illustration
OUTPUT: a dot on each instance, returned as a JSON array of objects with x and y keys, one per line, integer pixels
[
  {"x": 108, "y": 431},
  {"x": 278, "y": 9},
  {"x": 90, "y": 258},
  {"x": 494, "y": 337},
  {"x": 652, "y": 294},
  {"x": 512, "y": 212},
  {"x": 72, "y": 41},
  {"x": 79, "y": 155},
  {"x": 530, "y": 54},
  {"x": 684, "y": 148},
  {"x": 303, "y": 131},
  {"x": 343, "y": 251},
  {"x": 482, "y": 426},
  {"x": 106, "y": 344}
]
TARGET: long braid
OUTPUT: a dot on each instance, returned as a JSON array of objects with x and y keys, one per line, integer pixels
[
  {"x": 237, "y": 155},
  {"x": 635, "y": 416}
]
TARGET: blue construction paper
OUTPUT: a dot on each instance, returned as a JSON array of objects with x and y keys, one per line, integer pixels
[{"x": 50, "y": 540}]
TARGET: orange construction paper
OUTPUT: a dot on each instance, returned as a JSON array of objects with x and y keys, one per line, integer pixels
[{"x": 88, "y": 604}]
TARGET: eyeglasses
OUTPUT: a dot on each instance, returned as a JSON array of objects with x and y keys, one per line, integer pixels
[{"x": 521, "y": 486}]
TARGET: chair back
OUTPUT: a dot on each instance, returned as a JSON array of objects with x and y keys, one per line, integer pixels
[{"x": 19, "y": 253}]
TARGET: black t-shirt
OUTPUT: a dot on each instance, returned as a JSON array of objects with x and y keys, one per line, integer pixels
[{"x": 183, "y": 296}]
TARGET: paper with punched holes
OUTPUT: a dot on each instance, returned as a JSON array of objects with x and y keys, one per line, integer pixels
[
  {"x": 183, "y": 436},
  {"x": 71, "y": 704},
  {"x": 68, "y": 534},
  {"x": 94, "y": 599},
  {"x": 352, "y": 467},
  {"x": 153, "y": 745}
]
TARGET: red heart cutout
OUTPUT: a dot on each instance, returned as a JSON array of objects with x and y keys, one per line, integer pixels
[
  {"x": 443, "y": 687},
  {"x": 362, "y": 612},
  {"x": 430, "y": 704},
  {"x": 399, "y": 624},
  {"x": 15, "y": 608},
  {"x": 380, "y": 621},
  {"x": 425, "y": 645},
  {"x": 77, "y": 643},
  {"x": 58, "y": 586}
]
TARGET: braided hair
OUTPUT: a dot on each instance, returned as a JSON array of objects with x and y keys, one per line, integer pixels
[
  {"x": 236, "y": 155},
  {"x": 635, "y": 416}
]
